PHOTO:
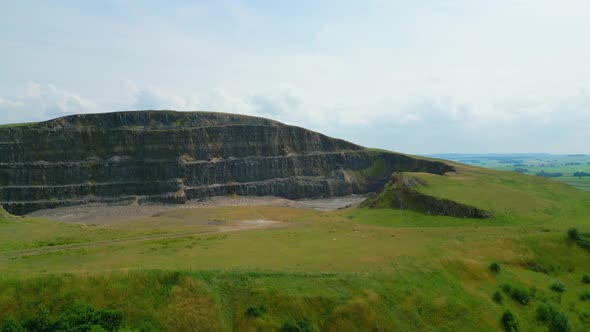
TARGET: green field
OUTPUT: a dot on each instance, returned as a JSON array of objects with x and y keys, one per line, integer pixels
[
  {"x": 343, "y": 270},
  {"x": 532, "y": 164}
]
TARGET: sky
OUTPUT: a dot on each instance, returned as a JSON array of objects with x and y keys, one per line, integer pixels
[{"x": 419, "y": 76}]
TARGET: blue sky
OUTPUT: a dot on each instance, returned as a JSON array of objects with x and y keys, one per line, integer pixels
[{"x": 417, "y": 76}]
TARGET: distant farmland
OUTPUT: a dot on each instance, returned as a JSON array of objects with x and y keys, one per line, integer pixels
[{"x": 558, "y": 167}]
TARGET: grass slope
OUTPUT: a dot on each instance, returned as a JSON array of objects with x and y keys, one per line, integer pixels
[
  {"x": 353, "y": 269},
  {"x": 511, "y": 197}
]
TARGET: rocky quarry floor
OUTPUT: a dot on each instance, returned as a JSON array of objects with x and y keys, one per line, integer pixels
[{"x": 100, "y": 212}]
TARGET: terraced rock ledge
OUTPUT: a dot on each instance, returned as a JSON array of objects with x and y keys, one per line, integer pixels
[
  {"x": 401, "y": 193},
  {"x": 167, "y": 156}
]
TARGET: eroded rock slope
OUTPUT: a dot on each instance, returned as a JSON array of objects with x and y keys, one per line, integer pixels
[
  {"x": 171, "y": 156},
  {"x": 400, "y": 192}
]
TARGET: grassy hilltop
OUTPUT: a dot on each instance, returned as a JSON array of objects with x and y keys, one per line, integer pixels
[{"x": 352, "y": 269}]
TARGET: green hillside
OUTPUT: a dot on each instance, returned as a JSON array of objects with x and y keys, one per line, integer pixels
[
  {"x": 352, "y": 269},
  {"x": 510, "y": 197}
]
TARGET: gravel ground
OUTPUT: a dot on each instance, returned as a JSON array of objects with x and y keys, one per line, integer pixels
[{"x": 93, "y": 212}]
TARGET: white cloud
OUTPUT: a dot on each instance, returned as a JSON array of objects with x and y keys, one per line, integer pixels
[
  {"x": 436, "y": 121},
  {"x": 152, "y": 98},
  {"x": 37, "y": 101},
  {"x": 497, "y": 74}
]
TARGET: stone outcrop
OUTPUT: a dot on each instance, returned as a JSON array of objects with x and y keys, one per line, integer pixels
[
  {"x": 400, "y": 193},
  {"x": 166, "y": 156}
]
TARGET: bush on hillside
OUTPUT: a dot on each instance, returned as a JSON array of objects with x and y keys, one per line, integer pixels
[
  {"x": 573, "y": 234},
  {"x": 300, "y": 326},
  {"x": 557, "y": 287},
  {"x": 585, "y": 296},
  {"x": 546, "y": 312},
  {"x": 521, "y": 295},
  {"x": 559, "y": 323},
  {"x": 586, "y": 279},
  {"x": 77, "y": 318},
  {"x": 549, "y": 314},
  {"x": 495, "y": 267},
  {"x": 11, "y": 325},
  {"x": 509, "y": 322},
  {"x": 255, "y": 311},
  {"x": 497, "y": 297}
]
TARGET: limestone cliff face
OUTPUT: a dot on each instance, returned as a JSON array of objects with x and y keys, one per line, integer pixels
[{"x": 172, "y": 156}]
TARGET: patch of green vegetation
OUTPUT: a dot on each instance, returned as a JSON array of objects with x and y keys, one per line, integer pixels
[
  {"x": 14, "y": 125},
  {"x": 557, "y": 287},
  {"x": 497, "y": 297},
  {"x": 255, "y": 311},
  {"x": 495, "y": 267},
  {"x": 518, "y": 293},
  {"x": 375, "y": 171},
  {"x": 538, "y": 267},
  {"x": 54, "y": 242},
  {"x": 75, "y": 317},
  {"x": 560, "y": 323},
  {"x": 299, "y": 326},
  {"x": 509, "y": 321},
  {"x": 508, "y": 196},
  {"x": 5, "y": 216},
  {"x": 546, "y": 312},
  {"x": 573, "y": 234}
]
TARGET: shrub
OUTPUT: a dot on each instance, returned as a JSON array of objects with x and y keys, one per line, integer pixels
[
  {"x": 85, "y": 317},
  {"x": 497, "y": 297},
  {"x": 549, "y": 314},
  {"x": 546, "y": 312},
  {"x": 586, "y": 279},
  {"x": 585, "y": 296},
  {"x": 559, "y": 323},
  {"x": 557, "y": 287},
  {"x": 11, "y": 325},
  {"x": 79, "y": 317},
  {"x": 521, "y": 295},
  {"x": 573, "y": 234},
  {"x": 495, "y": 267},
  {"x": 509, "y": 322},
  {"x": 300, "y": 326},
  {"x": 39, "y": 323},
  {"x": 255, "y": 311},
  {"x": 109, "y": 319}
]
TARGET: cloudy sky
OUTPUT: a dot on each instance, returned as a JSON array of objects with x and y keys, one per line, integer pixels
[{"x": 419, "y": 76}]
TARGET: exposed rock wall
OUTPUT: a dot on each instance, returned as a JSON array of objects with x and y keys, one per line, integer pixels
[{"x": 172, "y": 156}]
